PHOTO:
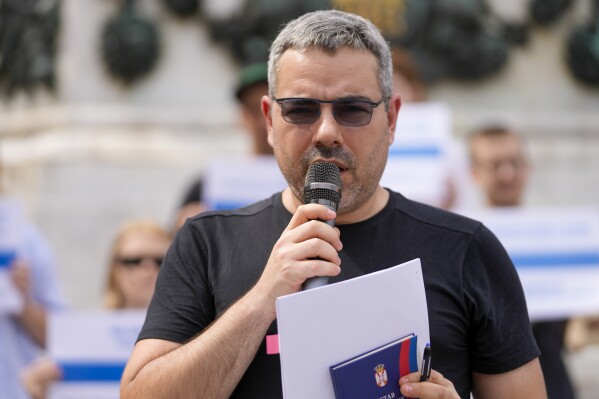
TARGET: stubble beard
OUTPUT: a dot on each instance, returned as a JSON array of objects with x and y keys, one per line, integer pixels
[{"x": 363, "y": 180}]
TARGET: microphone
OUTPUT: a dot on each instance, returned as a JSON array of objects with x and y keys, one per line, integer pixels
[{"x": 322, "y": 186}]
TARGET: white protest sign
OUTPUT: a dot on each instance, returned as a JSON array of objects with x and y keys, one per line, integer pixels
[
  {"x": 10, "y": 235},
  {"x": 556, "y": 253},
  {"x": 92, "y": 349},
  {"x": 235, "y": 182},
  {"x": 418, "y": 158}
]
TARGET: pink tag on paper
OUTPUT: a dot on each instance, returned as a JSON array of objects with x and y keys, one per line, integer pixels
[{"x": 272, "y": 344}]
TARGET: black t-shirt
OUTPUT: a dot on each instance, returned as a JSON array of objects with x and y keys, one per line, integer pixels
[{"x": 477, "y": 312}]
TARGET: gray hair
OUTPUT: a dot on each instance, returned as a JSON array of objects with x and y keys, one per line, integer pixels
[{"x": 331, "y": 30}]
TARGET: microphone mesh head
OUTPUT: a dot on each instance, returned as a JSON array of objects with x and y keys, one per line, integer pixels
[{"x": 323, "y": 172}]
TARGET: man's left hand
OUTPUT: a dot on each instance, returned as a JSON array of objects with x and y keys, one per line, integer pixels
[{"x": 437, "y": 387}]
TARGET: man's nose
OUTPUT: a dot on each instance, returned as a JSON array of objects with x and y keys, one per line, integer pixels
[
  {"x": 328, "y": 130},
  {"x": 506, "y": 170}
]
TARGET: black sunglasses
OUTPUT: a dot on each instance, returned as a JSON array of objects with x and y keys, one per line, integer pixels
[
  {"x": 347, "y": 112},
  {"x": 136, "y": 261}
]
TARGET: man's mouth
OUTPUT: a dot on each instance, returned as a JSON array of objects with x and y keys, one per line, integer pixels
[{"x": 342, "y": 168}]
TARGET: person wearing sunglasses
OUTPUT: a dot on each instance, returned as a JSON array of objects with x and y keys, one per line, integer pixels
[
  {"x": 136, "y": 255},
  {"x": 351, "y": 112},
  {"x": 330, "y": 99}
]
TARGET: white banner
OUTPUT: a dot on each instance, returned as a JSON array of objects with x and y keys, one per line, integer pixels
[
  {"x": 92, "y": 349},
  {"x": 556, "y": 253},
  {"x": 235, "y": 182},
  {"x": 418, "y": 158}
]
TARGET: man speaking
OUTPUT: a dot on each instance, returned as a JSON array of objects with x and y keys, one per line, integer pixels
[{"x": 330, "y": 100}]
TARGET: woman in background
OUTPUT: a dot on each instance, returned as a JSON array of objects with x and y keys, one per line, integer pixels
[
  {"x": 137, "y": 253},
  {"x": 135, "y": 258}
]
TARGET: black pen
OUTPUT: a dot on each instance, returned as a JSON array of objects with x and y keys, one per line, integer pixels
[{"x": 425, "y": 372}]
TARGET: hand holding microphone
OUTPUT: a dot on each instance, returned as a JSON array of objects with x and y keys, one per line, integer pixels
[
  {"x": 307, "y": 251},
  {"x": 322, "y": 186}
]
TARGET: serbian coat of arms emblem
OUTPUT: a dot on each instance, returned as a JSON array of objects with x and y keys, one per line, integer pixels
[{"x": 380, "y": 374}]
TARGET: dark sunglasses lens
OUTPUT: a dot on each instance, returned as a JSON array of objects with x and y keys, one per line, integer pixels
[
  {"x": 353, "y": 113},
  {"x": 300, "y": 111},
  {"x": 129, "y": 262},
  {"x": 132, "y": 262}
]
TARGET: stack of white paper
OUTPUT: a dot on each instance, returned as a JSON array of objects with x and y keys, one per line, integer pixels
[{"x": 323, "y": 326}]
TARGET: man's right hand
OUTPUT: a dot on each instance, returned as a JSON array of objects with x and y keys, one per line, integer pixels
[{"x": 307, "y": 248}]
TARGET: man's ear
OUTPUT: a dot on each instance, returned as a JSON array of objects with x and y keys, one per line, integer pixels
[
  {"x": 394, "y": 106},
  {"x": 267, "y": 112}
]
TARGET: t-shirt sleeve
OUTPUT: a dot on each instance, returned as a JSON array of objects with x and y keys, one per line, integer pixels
[
  {"x": 500, "y": 330},
  {"x": 183, "y": 304}
]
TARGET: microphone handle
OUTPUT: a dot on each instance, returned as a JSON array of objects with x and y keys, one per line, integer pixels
[
  {"x": 315, "y": 282},
  {"x": 319, "y": 281}
]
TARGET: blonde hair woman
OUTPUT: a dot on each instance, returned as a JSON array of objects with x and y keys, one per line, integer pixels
[
  {"x": 136, "y": 255},
  {"x": 135, "y": 258}
]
